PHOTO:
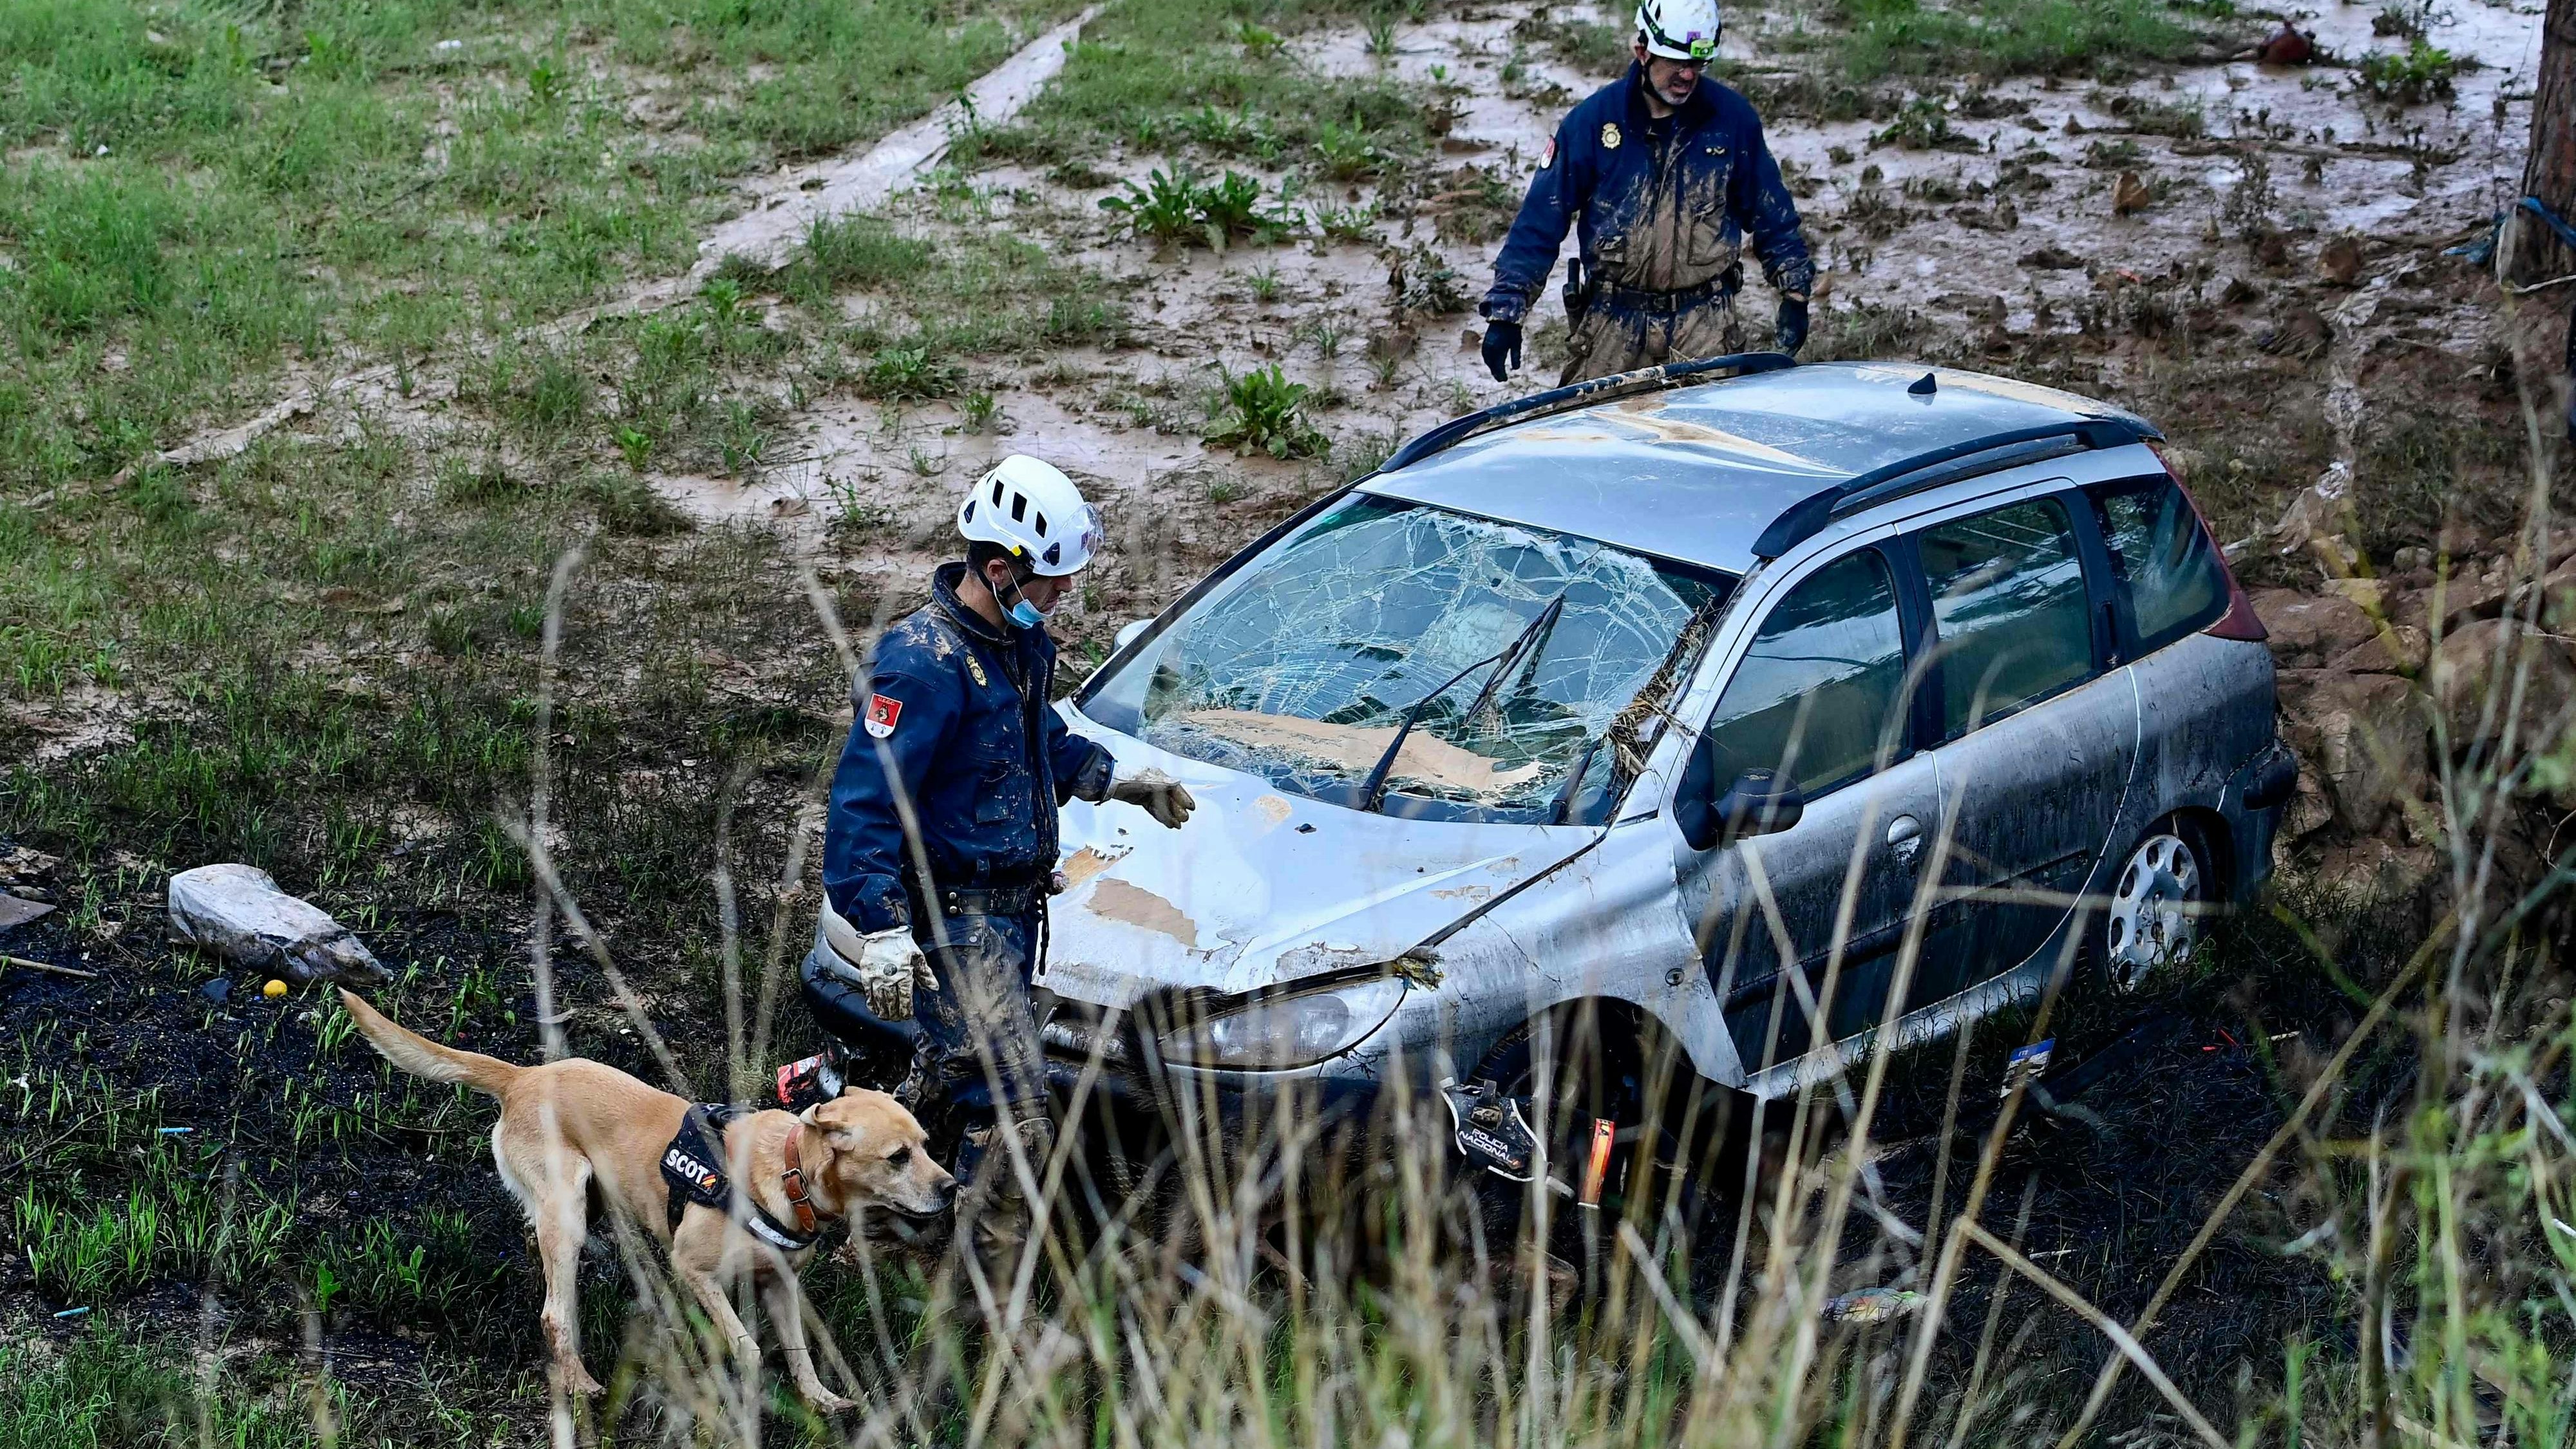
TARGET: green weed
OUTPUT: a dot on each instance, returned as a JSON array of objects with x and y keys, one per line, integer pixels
[
  {"x": 2419, "y": 73},
  {"x": 1262, "y": 411},
  {"x": 912, "y": 374}
]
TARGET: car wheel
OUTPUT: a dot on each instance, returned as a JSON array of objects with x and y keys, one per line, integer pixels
[{"x": 2153, "y": 921}]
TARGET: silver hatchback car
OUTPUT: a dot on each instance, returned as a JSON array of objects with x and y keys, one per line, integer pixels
[{"x": 1765, "y": 707}]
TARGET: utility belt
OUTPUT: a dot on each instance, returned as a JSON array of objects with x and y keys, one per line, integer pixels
[
  {"x": 1719, "y": 288},
  {"x": 1016, "y": 894}
]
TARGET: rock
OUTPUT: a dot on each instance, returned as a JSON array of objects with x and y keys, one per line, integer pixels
[
  {"x": 2340, "y": 262},
  {"x": 2411, "y": 558},
  {"x": 2557, "y": 599},
  {"x": 2309, "y": 811},
  {"x": 2361, "y": 735},
  {"x": 2303, "y": 333},
  {"x": 2129, "y": 195},
  {"x": 2377, "y": 870},
  {"x": 2052, "y": 258},
  {"x": 2309, "y": 630},
  {"x": 2286, "y": 46},
  {"x": 2395, "y": 649},
  {"x": 2473, "y": 677},
  {"x": 237, "y": 912},
  {"x": 18, "y": 910},
  {"x": 217, "y": 991}
]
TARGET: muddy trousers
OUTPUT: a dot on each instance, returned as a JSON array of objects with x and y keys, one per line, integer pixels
[
  {"x": 1613, "y": 335},
  {"x": 978, "y": 1064}
]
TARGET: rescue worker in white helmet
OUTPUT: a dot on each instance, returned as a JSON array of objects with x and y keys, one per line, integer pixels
[
  {"x": 1664, "y": 177},
  {"x": 931, "y": 927}
]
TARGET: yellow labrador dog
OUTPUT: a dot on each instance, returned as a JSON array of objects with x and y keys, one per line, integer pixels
[{"x": 571, "y": 1125}]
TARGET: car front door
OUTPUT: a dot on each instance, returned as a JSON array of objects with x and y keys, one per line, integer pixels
[
  {"x": 1799, "y": 930},
  {"x": 2038, "y": 735}
]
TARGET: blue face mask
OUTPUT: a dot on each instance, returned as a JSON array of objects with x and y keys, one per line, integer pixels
[{"x": 1022, "y": 613}]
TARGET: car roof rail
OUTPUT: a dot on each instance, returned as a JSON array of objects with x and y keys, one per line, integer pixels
[
  {"x": 1989, "y": 453},
  {"x": 1559, "y": 399}
]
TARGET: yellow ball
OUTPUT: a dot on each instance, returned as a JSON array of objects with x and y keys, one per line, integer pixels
[{"x": 273, "y": 989}]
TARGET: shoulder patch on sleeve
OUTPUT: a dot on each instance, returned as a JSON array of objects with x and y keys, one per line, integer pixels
[
  {"x": 884, "y": 713},
  {"x": 1547, "y": 157}
]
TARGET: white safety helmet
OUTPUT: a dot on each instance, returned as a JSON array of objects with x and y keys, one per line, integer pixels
[
  {"x": 1032, "y": 509},
  {"x": 1679, "y": 29}
]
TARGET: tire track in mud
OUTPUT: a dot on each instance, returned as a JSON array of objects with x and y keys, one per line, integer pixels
[{"x": 778, "y": 210}]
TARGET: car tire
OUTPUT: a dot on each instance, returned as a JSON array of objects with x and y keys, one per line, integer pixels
[{"x": 2155, "y": 907}]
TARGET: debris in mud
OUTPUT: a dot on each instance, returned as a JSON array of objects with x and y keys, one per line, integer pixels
[
  {"x": 2052, "y": 258},
  {"x": 2129, "y": 195},
  {"x": 2287, "y": 46},
  {"x": 2304, "y": 334},
  {"x": 1872, "y": 1305},
  {"x": 2340, "y": 262},
  {"x": 18, "y": 910},
  {"x": 1424, "y": 282},
  {"x": 237, "y": 912}
]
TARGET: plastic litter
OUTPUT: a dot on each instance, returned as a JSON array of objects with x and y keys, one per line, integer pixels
[
  {"x": 274, "y": 989},
  {"x": 73, "y": 1312},
  {"x": 218, "y": 991},
  {"x": 2027, "y": 1064},
  {"x": 237, "y": 912},
  {"x": 1873, "y": 1305}
]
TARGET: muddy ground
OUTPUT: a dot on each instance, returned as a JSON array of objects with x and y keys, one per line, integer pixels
[{"x": 2251, "y": 255}]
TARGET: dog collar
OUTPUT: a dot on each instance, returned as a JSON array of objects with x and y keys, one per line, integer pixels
[{"x": 794, "y": 1179}]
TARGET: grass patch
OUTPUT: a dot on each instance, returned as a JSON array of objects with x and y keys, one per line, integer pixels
[{"x": 2008, "y": 37}]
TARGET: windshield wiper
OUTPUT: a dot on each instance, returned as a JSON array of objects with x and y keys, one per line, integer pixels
[{"x": 1373, "y": 791}]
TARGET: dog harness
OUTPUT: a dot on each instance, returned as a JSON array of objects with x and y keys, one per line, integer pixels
[{"x": 693, "y": 1166}]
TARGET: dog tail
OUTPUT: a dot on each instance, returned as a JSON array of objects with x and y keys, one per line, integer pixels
[{"x": 422, "y": 1057}]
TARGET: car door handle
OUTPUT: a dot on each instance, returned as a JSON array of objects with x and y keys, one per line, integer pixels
[{"x": 1905, "y": 837}]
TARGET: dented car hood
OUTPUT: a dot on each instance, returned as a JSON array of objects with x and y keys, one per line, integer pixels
[{"x": 1261, "y": 888}]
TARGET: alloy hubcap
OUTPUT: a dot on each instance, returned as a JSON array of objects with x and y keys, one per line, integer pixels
[{"x": 2153, "y": 922}]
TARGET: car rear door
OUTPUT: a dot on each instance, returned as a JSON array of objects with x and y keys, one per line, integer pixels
[
  {"x": 2038, "y": 729},
  {"x": 1800, "y": 929}
]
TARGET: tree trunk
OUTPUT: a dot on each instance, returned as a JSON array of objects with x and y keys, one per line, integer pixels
[{"x": 2532, "y": 252}]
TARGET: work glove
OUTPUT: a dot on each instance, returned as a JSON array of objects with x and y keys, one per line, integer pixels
[
  {"x": 889, "y": 963},
  {"x": 1158, "y": 795},
  {"x": 1790, "y": 332},
  {"x": 1502, "y": 348}
]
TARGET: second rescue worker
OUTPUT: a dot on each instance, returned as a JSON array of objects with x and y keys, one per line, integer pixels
[{"x": 1664, "y": 176}]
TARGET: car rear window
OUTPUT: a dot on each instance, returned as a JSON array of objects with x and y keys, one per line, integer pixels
[
  {"x": 2161, "y": 558},
  {"x": 2008, "y": 600}
]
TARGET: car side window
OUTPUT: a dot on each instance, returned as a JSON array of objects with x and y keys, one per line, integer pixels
[
  {"x": 2009, "y": 605},
  {"x": 1822, "y": 682},
  {"x": 2161, "y": 558}
]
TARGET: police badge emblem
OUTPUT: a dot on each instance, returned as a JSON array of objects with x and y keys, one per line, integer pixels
[
  {"x": 884, "y": 713},
  {"x": 975, "y": 666},
  {"x": 1609, "y": 135}
]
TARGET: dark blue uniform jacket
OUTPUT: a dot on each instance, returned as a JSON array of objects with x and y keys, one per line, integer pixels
[
  {"x": 1717, "y": 161},
  {"x": 956, "y": 711}
]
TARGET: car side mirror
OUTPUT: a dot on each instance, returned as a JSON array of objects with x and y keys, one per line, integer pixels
[
  {"x": 1128, "y": 631},
  {"x": 1760, "y": 802},
  {"x": 1712, "y": 812}
]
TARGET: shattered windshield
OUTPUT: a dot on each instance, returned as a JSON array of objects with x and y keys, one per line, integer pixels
[{"x": 1302, "y": 666}]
